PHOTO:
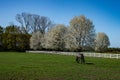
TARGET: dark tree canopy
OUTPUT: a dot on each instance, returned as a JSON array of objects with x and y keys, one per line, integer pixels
[{"x": 14, "y": 39}]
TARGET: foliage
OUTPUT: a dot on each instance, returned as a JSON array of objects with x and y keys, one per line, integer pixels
[
  {"x": 81, "y": 34},
  {"x": 1, "y": 30},
  {"x": 38, "y": 32},
  {"x": 113, "y": 50},
  {"x": 54, "y": 39},
  {"x": 36, "y": 40},
  {"x": 101, "y": 42},
  {"x": 9, "y": 37},
  {"x": 23, "y": 42},
  {"x": 1, "y": 34},
  {"x": 26, "y": 66},
  {"x": 13, "y": 39}
]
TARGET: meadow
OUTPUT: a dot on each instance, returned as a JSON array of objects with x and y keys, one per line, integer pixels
[{"x": 29, "y": 66}]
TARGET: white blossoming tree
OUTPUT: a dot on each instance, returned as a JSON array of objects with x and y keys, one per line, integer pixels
[
  {"x": 101, "y": 42},
  {"x": 36, "y": 40}
]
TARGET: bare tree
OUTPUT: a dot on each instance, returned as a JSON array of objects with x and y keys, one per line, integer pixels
[
  {"x": 31, "y": 22},
  {"x": 101, "y": 42},
  {"x": 24, "y": 20},
  {"x": 81, "y": 34}
]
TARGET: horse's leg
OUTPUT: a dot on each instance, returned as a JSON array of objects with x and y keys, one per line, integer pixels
[{"x": 77, "y": 59}]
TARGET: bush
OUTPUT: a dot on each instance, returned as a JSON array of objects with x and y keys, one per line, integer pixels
[{"x": 114, "y": 50}]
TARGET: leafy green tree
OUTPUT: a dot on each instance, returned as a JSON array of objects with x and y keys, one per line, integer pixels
[
  {"x": 14, "y": 39},
  {"x": 1, "y": 34},
  {"x": 1, "y": 30},
  {"x": 23, "y": 42},
  {"x": 9, "y": 37}
]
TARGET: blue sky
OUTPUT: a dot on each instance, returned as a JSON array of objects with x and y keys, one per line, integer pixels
[{"x": 105, "y": 14}]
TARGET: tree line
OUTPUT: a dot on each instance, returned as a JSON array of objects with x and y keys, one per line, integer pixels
[
  {"x": 12, "y": 39},
  {"x": 39, "y": 33},
  {"x": 80, "y": 35}
]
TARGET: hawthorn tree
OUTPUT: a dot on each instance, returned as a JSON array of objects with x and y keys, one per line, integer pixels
[
  {"x": 101, "y": 42},
  {"x": 54, "y": 38},
  {"x": 36, "y": 40}
]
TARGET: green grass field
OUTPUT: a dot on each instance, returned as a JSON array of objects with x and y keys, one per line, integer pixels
[{"x": 26, "y": 66}]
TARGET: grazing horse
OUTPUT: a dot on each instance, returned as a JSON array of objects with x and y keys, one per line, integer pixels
[{"x": 80, "y": 57}]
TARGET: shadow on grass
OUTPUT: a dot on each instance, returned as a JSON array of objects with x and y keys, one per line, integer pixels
[
  {"x": 29, "y": 67},
  {"x": 89, "y": 63}
]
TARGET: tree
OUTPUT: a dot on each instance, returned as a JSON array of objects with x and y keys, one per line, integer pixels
[
  {"x": 36, "y": 40},
  {"x": 101, "y": 42},
  {"x": 1, "y": 34},
  {"x": 10, "y": 37},
  {"x": 31, "y": 22},
  {"x": 54, "y": 39},
  {"x": 81, "y": 34},
  {"x": 1, "y": 30},
  {"x": 13, "y": 39},
  {"x": 23, "y": 42}
]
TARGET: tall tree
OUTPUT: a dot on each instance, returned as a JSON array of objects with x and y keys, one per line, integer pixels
[
  {"x": 101, "y": 42},
  {"x": 13, "y": 39},
  {"x": 36, "y": 40},
  {"x": 10, "y": 37},
  {"x": 31, "y": 22},
  {"x": 23, "y": 42},
  {"x": 81, "y": 34},
  {"x": 1, "y": 30},
  {"x": 54, "y": 39},
  {"x": 1, "y": 34}
]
